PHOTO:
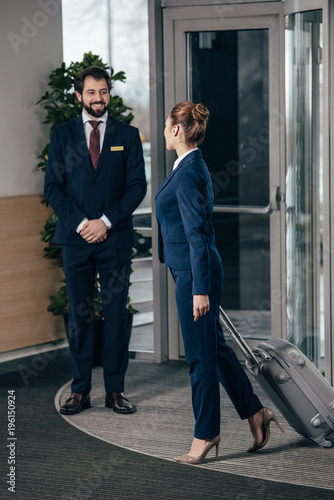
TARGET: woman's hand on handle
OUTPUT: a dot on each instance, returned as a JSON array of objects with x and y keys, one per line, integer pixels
[{"x": 201, "y": 305}]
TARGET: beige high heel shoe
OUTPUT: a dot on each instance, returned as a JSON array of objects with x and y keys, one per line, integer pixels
[
  {"x": 268, "y": 416},
  {"x": 187, "y": 459}
]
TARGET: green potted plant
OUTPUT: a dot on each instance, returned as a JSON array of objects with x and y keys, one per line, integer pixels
[{"x": 61, "y": 105}]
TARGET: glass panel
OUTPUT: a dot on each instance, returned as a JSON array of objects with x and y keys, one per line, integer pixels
[
  {"x": 122, "y": 42},
  {"x": 304, "y": 188},
  {"x": 228, "y": 71}
]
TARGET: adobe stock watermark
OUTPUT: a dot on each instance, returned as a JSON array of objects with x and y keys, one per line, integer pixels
[
  {"x": 99, "y": 474},
  {"x": 38, "y": 363},
  {"x": 222, "y": 10},
  {"x": 254, "y": 488},
  {"x": 73, "y": 157},
  {"x": 248, "y": 152},
  {"x": 30, "y": 27},
  {"x": 117, "y": 283},
  {"x": 157, "y": 77}
]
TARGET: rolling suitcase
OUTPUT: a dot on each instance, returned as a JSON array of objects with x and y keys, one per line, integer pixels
[{"x": 292, "y": 382}]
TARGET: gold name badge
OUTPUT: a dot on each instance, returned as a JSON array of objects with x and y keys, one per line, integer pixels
[{"x": 116, "y": 148}]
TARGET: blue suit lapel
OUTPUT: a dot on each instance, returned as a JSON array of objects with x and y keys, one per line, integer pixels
[
  {"x": 81, "y": 144},
  {"x": 165, "y": 182},
  {"x": 195, "y": 155}
]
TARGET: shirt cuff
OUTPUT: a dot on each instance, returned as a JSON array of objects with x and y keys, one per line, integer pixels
[
  {"x": 106, "y": 221},
  {"x": 82, "y": 223}
]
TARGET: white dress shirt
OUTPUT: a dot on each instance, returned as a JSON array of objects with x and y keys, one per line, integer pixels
[
  {"x": 102, "y": 129},
  {"x": 180, "y": 158},
  {"x": 88, "y": 128}
]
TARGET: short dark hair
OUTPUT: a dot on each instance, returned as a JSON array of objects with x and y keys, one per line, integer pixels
[{"x": 96, "y": 72}]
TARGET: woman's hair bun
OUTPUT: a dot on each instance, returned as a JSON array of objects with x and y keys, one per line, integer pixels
[
  {"x": 201, "y": 113},
  {"x": 192, "y": 119}
]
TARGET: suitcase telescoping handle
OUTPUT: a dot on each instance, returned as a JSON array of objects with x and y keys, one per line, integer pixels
[{"x": 231, "y": 329}]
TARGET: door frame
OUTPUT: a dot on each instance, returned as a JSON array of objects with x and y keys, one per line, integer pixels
[
  {"x": 178, "y": 21},
  {"x": 293, "y": 7}
]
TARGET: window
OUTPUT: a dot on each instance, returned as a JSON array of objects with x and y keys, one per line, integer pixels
[{"x": 118, "y": 33}]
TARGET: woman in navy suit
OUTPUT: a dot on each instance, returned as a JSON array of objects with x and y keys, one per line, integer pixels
[{"x": 184, "y": 205}]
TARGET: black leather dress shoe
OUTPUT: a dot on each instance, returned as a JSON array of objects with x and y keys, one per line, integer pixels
[
  {"x": 118, "y": 402},
  {"x": 75, "y": 404}
]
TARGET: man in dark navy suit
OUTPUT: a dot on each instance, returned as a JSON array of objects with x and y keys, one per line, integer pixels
[{"x": 95, "y": 179}]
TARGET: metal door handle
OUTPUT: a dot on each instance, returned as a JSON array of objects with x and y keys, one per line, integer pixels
[
  {"x": 274, "y": 204},
  {"x": 243, "y": 210}
]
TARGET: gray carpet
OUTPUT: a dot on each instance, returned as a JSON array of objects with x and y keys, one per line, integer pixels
[
  {"x": 55, "y": 460},
  {"x": 163, "y": 427}
]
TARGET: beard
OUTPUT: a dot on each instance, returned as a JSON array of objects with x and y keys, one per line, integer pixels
[{"x": 93, "y": 112}]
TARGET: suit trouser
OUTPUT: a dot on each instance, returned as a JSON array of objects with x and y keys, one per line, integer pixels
[
  {"x": 210, "y": 359},
  {"x": 80, "y": 266}
]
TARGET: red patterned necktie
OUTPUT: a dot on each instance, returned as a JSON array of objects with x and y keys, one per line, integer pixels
[{"x": 94, "y": 142}]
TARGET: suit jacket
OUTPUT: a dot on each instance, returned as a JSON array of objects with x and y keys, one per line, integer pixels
[
  {"x": 184, "y": 205},
  {"x": 76, "y": 190}
]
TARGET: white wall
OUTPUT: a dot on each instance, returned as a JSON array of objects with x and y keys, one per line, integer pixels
[{"x": 30, "y": 47}]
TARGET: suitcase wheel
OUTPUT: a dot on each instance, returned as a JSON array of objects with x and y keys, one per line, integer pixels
[{"x": 326, "y": 443}]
